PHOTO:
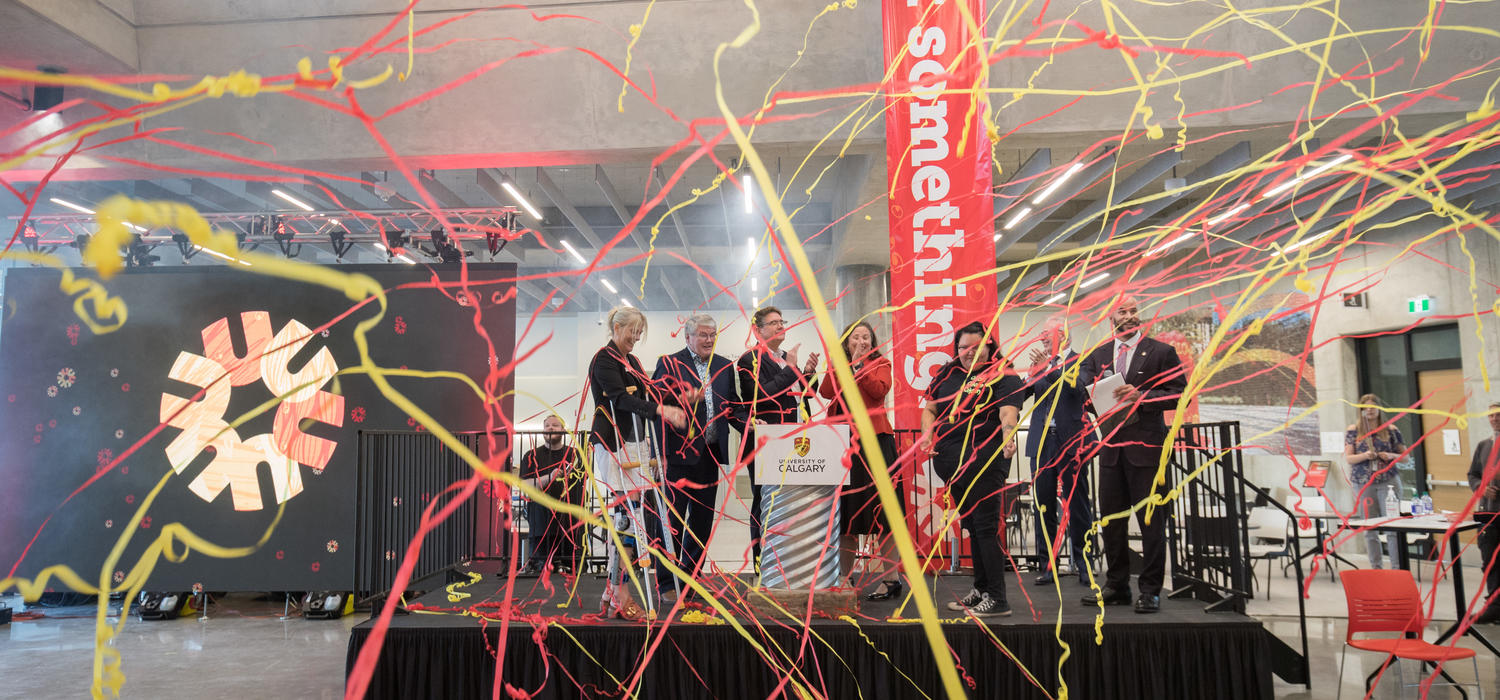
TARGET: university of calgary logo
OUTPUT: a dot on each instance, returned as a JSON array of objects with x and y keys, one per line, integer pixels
[
  {"x": 802, "y": 445},
  {"x": 267, "y": 359}
]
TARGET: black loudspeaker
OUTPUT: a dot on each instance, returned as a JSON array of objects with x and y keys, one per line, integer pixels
[
  {"x": 45, "y": 97},
  {"x": 158, "y": 605},
  {"x": 4, "y": 616},
  {"x": 326, "y": 605}
]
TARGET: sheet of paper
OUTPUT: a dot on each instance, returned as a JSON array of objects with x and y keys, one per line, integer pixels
[
  {"x": 1451, "y": 444},
  {"x": 1102, "y": 393},
  {"x": 1333, "y": 442}
]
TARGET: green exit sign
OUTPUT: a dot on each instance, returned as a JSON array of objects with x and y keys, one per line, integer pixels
[{"x": 1419, "y": 305}]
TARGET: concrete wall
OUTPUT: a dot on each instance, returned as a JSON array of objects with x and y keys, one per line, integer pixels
[
  {"x": 1382, "y": 262},
  {"x": 561, "y": 106}
]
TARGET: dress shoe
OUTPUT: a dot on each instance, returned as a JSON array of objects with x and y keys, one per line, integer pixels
[
  {"x": 1044, "y": 579},
  {"x": 893, "y": 589},
  {"x": 1146, "y": 603},
  {"x": 1110, "y": 596}
]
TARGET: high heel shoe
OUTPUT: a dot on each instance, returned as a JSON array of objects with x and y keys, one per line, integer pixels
[
  {"x": 632, "y": 611},
  {"x": 893, "y": 589}
]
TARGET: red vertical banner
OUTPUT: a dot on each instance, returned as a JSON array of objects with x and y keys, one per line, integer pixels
[{"x": 941, "y": 204}]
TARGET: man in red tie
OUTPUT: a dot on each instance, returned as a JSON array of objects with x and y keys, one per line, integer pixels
[{"x": 1133, "y": 435}]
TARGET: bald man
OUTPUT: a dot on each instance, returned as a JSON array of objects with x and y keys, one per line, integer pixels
[{"x": 1132, "y": 439}]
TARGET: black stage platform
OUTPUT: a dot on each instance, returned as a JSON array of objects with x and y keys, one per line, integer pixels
[{"x": 1181, "y": 652}]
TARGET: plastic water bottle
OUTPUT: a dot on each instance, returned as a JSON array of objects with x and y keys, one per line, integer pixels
[
  {"x": 1426, "y": 504},
  {"x": 1392, "y": 504}
]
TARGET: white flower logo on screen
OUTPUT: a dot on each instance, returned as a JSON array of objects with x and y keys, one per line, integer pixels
[{"x": 202, "y": 422}]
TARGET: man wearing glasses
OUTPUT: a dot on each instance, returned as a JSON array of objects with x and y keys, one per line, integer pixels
[
  {"x": 695, "y": 454},
  {"x": 772, "y": 386}
]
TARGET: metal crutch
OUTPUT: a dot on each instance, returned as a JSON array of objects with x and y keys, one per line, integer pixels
[
  {"x": 632, "y": 513},
  {"x": 663, "y": 515}
]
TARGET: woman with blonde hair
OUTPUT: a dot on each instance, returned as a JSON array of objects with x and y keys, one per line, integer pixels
[
  {"x": 624, "y": 404},
  {"x": 1371, "y": 449}
]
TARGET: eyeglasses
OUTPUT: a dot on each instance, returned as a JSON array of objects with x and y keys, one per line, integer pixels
[
  {"x": 778, "y": 323},
  {"x": 706, "y": 336}
]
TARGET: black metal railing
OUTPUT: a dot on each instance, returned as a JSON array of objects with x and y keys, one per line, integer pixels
[{"x": 1209, "y": 533}]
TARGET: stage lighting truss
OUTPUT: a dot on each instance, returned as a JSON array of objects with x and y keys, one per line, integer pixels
[{"x": 337, "y": 231}]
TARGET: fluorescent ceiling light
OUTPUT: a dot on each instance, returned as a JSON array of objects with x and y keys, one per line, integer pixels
[
  {"x": 516, "y": 195},
  {"x": 292, "y": 200},
  {"x": 1323, "y": 168},
  {"x": 1052, "y": 188},
  {"x": 754, "y": 302},
  {"x": 754, "y": 284},
  {"x": 86, "y": 210},
  {"x": 1227, "y": 215},
  {"x": 1306, "y": 241},
  {"x": 1056, "y": 298},
  {"x": 1096, "y": 279},
  {"x": 402, "y": 257},
  {"x": 217, "y": 254},
  {"x": 335, "y": 222},
  {"x": 1163, "y": 247},
  {"x": 609, "y": 286},
  {"x": 625, "y": 302},
  {"x": 70, "y": 205},
  {"x": 574, "y": 252},
  {"x": 750, "y": 245},
  {"x": 1016, "y": 218},
  {"x": 749, "y": 199},
  {"x": 379, "y": 245}
]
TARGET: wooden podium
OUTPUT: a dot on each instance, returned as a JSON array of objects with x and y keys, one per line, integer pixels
[{"x": 800, "y": 469}]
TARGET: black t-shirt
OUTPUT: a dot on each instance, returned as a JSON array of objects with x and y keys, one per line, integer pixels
[
  {"x": 967, "y": 404},
  {"x": 542, "y": 460}
]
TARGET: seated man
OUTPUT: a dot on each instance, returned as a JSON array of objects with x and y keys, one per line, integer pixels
[{"x": 551, "y": 468}]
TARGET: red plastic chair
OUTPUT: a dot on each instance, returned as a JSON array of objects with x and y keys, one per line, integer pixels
[{"x": 1387, "y": 600}]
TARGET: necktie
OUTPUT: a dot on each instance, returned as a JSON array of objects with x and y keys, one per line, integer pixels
[
  {"x": 709, "y": 432},
  {"x": 1122, "y": 358}
]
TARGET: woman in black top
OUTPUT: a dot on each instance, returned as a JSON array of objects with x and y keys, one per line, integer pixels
[
  {"x": 968, "y": 425},
  {"x": 624, "y": 405}
]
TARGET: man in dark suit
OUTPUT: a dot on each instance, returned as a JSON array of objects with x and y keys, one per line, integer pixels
[
  {"x": 695, "y": 454},
  {"x": 1060, "y": 444},
  {"x": 772, "y": 387},
  {"x": 1133, "y": 436}
]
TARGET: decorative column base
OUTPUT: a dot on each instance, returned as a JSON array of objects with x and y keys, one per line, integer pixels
[{"x": 799, "y": 559}]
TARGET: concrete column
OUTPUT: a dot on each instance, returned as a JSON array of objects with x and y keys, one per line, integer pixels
[{"x": 863, "y": 289}]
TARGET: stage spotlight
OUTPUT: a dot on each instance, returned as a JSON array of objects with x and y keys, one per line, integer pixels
[
  {"x": 283, "y": 233},
  {"x": 185, "y": 246},
  {"x": 139, "y": 254},
  {"x": 327, "y": 605},
  {"x": 29, "y": 237},
  {"x": 160, "y": 605},
  {"x": 445, "y": 250},
  {"x": 340, "y": 246},
  {"x": 45, "y": 97},
  {"x": 397, "y": 241}
]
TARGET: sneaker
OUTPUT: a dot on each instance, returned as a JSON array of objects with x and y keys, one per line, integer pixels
[
  {"x": 966, "y": 602},
  {"x": 989, "y": 607}
]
